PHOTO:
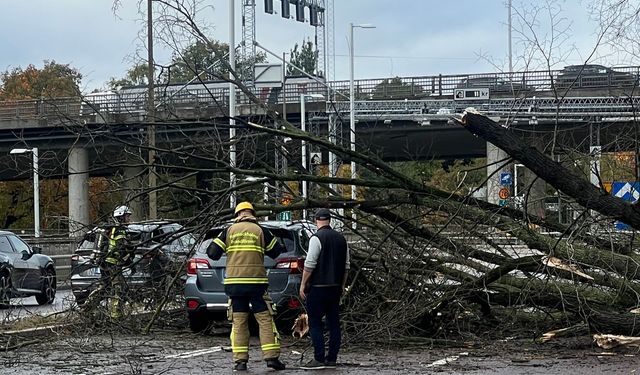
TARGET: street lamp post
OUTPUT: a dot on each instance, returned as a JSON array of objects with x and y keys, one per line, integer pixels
[
  {"x": 352, "y": 115},
  {"x": 36, "y": 187},
  {"x": 303, "y": 127}
]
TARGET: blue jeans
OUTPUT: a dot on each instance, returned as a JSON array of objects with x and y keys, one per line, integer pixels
[{"x": 324, "y": 301}]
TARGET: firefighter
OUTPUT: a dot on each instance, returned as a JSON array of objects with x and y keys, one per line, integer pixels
[
  {"x": 245, "y": 242},
  {"x": 117, "y": 257}
]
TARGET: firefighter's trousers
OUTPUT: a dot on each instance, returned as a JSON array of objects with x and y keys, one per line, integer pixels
[
  {"x": 114, "y": 286},
  {"x": 262, "y": 307}
]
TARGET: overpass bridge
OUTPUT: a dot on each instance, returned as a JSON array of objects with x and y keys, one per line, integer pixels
[{"x": 397, "y": 118}]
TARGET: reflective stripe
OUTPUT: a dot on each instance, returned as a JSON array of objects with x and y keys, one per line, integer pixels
[
  {"x": 240, "y": 349},
  {"x": 246, "y": 280},
  {"x": 111, "y": 260},
  {"x": 272, "y": 244},
  {"x": 220, "y": 243},
  {"x": 266, "y": 347},
  {"x": 233, "y": 248}
]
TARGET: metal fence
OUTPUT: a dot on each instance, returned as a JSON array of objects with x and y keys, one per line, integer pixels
[{"x": 172, "y": 98}]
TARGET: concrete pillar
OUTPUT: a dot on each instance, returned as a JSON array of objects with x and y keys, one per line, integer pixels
[
  {"x": 535, "y": 188},
  {"x": 494, "y": 164},
  {"x": 78, "y": 166},
  {"x": 134, "y": 182},
  {"x": 534, "y": 194}
]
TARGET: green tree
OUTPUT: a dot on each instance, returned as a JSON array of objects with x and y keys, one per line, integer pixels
[
  {"x": 135, "y": 76},
  {"x": 201, "y": 59},
  {"x": 396, "y": 88},
  {"x": 53, "y": 80},
  {"x": 197, "y": 59},
  {"x": 305, "y": 57}
]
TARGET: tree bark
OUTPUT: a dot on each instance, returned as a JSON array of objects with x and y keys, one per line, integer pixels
[{"x": 561, "y": 178}]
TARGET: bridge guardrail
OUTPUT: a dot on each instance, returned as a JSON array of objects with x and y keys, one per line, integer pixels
[{"x": 170, "y": 97}]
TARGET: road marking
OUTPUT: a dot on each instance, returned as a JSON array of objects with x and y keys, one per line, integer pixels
[{"x": 195, "y": 353}]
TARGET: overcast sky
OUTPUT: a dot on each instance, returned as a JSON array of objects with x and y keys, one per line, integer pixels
[{"x": 411, "y": 37}]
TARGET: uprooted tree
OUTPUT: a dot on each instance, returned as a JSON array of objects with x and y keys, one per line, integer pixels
[{"x": 425, "y": 261}]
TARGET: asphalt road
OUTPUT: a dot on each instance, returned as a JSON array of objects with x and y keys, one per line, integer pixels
[
  {"x": 181, "y": 352},
  {"x": 25, "y": 307}
]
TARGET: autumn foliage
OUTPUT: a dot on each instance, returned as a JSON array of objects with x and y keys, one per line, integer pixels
[{"x": 53, "y": 80}]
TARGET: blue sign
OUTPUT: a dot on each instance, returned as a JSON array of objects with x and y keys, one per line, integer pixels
[
  {"x": 628, "y": 191},
  {"x": 506, "y": 179}
]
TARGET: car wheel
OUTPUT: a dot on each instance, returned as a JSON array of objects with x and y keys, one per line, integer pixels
[
  {"x": 199, "y": 322},
  {"x": 5, "y": 290},
  {"x": 48, "y": 288}
]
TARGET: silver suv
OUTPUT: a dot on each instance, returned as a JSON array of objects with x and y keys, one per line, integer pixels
[
  {"x": 159, "y": 248},
  {"x": 204, "y": 287}
]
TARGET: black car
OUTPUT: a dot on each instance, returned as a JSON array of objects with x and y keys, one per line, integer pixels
[
  {"x": 204, "y": 288},
  {"x": 593, "y": 76},
  {"x": 159, "y": 249},
  {"x": 24, "y": 272},
  {"x": 495, "y": 84}
]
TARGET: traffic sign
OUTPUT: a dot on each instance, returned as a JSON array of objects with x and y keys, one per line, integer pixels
[
  {"x": 503, "y": 202},
  {"x": 506, "y": 179},
  {"x": 504, "y": 193},
  {"x": 628, "y": 191},
  {"x": 471, "y": 94},
  {"x": 316, "y": 158},
  {"x": 284, "y": 216}
]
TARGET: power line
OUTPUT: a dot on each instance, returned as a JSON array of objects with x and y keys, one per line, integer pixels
[{"x": 412, "y": 57}]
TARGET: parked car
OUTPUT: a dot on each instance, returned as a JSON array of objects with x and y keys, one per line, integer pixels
[
  {"x": 24, "y": 271},
  {"x": 593, "y": 76},
  {"x": 159, "y": 247},
  {"x": 495, "y": 84},
  {"x": 204, "y": 287}
]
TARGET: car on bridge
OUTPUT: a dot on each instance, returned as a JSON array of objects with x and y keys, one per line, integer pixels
[
  {"x": 160, "y": 249},
  {"x": 204, "y": 288},
  {"x": 593, "y": 76},
  {"x": 495, "y": 84},
  {"x": 24, "y": 271}
]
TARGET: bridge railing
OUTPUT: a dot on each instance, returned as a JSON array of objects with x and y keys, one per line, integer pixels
[{"x": 169, "y": 98}]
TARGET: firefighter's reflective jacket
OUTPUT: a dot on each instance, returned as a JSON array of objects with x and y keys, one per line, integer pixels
[
  {"x": 116, "y": 251},
  {"x": 245, "y": 242}
]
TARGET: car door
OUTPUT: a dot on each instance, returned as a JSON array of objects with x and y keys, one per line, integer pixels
[
  {"x": 18, "y": 272},
  {"x": 30, "y": 267}
]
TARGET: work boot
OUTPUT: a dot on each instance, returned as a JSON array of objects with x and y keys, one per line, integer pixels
[
  {"x": 330, "y": 364},
  {"x": 240, "y": 366},
  {"x": 275, "y": 364}
]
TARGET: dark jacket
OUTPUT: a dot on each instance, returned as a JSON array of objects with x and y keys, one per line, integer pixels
[{"x": 330, "y": 267}]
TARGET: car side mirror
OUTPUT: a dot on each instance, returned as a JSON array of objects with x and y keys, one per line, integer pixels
[{"x": 26, "y": 255}]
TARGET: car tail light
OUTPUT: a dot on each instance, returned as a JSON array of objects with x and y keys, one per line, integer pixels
[
  {"x": 194, "y": 264},
  {"x": 75, "y": 257},
  {"x": 294, "y": 265},
  {"x": 192, "y": 304},
  {"x": 294, "y": 303}
]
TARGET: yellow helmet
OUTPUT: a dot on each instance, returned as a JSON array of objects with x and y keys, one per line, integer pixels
[{"x": 244, "y": 206}]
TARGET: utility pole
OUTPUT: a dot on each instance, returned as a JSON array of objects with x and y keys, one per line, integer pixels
[
  {"x": 151, "y": 114},
  {"x": 232, "y": 102}
]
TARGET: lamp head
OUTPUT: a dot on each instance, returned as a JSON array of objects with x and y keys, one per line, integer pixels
[{"x": 19, "y": 150}]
